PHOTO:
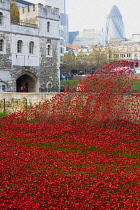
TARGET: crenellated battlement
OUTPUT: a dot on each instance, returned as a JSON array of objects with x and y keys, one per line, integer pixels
[
  {"x": 39, "y": 10},
  {"x": 49, "y": 10},
  {"x": 38, "y": 15}
]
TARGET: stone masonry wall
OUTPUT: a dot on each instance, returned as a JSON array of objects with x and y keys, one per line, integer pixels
[
  {"x": 49, "y": 68},
  {"x": 5, "y": 60},
  {"x": 28, "y": 15}
]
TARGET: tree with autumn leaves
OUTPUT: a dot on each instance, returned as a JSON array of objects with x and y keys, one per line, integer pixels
[
  {"x": 14, "y": 12},
  {"x": 96, "y": 59}
]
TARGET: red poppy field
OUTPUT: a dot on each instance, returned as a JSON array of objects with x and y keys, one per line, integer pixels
[{"x": 80, "y": 150}]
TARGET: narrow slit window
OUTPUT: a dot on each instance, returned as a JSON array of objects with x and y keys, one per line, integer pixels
[
  {"x": 48, "y": 26},
  {"x": 31, "y": 47},
  {"x": 49, "y": 50},
  {"x": 19, "y": 46},
  {"x": 1, "y": 45},
  {"x": 1, "y": 18},
  {"x": 33, "y": 7}
]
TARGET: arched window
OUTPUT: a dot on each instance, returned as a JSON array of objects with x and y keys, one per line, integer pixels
[
  {"x": 48, "y": 26},
  {"x": 1, "y": 45},
  {"x": 1, "y": 18},
  {"x": 48, "y": 50},
  {"x": 19, "y": 46},
  {"x": 31, "y": 47},
  {"x": 3, "y": 86},
  {"x": 49, "y": 87}
]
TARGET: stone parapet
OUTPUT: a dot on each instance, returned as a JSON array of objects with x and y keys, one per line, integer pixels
[{"x": 30, "y": 97}]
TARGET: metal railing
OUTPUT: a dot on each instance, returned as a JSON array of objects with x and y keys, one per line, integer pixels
[{"x": 13, "y": 105}]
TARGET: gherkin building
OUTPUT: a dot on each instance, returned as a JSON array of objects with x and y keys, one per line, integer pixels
[{"x": 114, "y": 25}]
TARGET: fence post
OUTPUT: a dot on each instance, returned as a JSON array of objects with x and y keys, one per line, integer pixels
[
  {"x": 26, "y": 104},
  {"x": 4, "y": 105},
  {"x": 26, "y": 107}
]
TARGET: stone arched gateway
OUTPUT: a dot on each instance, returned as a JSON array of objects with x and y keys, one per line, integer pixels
[{"x": 29, "y": 80}]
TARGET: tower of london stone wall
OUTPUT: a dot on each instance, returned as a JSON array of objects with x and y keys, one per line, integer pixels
[{"x": 29, "y": 51}]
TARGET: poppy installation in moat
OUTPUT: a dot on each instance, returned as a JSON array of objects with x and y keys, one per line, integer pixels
[{"x": 80, "y": 150}]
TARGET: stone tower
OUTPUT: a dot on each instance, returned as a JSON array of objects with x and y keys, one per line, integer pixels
[{"x": 29, "y": 51}]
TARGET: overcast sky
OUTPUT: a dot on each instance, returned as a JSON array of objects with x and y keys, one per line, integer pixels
[{"x": 91, "y": 14}]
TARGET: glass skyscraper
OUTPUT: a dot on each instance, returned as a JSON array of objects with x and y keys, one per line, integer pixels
[
  {"x": 114, "y": 25},
  {"x": 72, "y": 36}
]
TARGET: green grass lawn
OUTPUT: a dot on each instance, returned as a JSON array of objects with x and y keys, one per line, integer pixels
[
  {"x": 136, "y": 85},
  {"x": 135, "y": 82},
  {"x": 68, "y": 82}
]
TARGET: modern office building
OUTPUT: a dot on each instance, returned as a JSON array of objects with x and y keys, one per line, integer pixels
[
  {"x": 114, "y": 25},
  {"x": 72, "y": 36},
  {"x": 88, "y": 37},
  {"x": 64, "y": 24}
]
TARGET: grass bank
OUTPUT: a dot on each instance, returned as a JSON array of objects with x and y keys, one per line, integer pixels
[{"x": 135, "y": 84}]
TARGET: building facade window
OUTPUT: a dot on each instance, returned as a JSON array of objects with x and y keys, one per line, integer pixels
[
  {"x": 135, "y": 55},
  {"x": 48, "y": 26},
  {"x": 116, "y": 56},
  {"x": 122, "y": 55},
  {"x": 128, "y": 55},
  {"x": 49, "y": 86},
  {"x": 48, "y": 50},
  {"x": 33, "y": 7},
  {"x": 1, "y": 45},
  {"x": 28, "y": 8},
  {"x": 19, "y": 46},
  {"x": 31, "y": 47},
  {"x": 61, "y": 50},
  {"x": 3, "y": 87},
  {"x": 1, "y": 18}
]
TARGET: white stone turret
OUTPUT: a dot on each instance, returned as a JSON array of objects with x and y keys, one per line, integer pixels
[
  {"x": 5, "y": 15},
  {"x": 46, "y": 18}
]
